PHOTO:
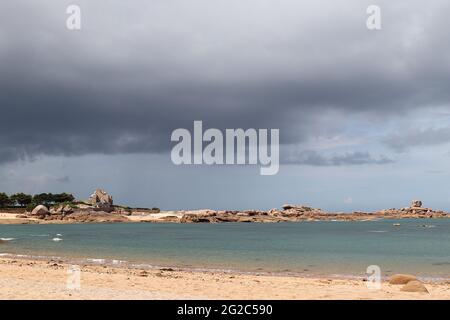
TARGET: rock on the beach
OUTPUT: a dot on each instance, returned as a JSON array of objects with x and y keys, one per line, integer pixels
[
  {"x": 40, "y": 210},
  {"x": 199, "y": 216},
  {"x": 414, "y": 286},
  {"x": 101, "y": 200},
  {"x": 94, "y": 216},
  {"x": 100, "y": 196},
  {"x": 62, "y": 209},
  {"x": 401, "y": 278},
  {"x": 416, "y": 204}
]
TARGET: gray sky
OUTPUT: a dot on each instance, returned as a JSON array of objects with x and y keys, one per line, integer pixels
[{"x": 363, "y": 115}]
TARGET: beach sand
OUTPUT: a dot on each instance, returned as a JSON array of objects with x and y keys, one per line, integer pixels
[
  {"x": 12, "y": 218},
  {"x": 166, "y": 216},
  {"x": 28, "y": 279}
]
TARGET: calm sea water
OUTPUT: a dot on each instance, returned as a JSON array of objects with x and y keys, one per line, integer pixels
[{"x": 419, "y": 246}]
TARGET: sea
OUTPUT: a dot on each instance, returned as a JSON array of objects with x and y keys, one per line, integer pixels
[{"x": 313, "y": 248}]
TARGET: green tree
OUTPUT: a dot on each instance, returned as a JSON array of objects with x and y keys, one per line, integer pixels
[
  {"x": 63, "y": 197},
  {"x": 4, "y": 200},
  {"x": 31, "y": 206},
  {"x": 49, "y": 199},
  {"x": 21, "y": 199},
  {"x": 42, "y": 198}
]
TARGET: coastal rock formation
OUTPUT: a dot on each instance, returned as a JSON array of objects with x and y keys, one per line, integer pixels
[
  {"x": 94, "y": 216},
  {"x": 414, "y": 211},
  {"x": 416, "y": 204},
  {"x": 122, "y": 211},
  {"x": 291, "y": 213},
  {"x": 213, "y": 216},
  {"x": 401, "y": 278},
  {"x": 414, "y": 286},
  {"x": 296, "y": 213},
  {"x": 101, "y": 208},
  {"x": 197, "y": 216},
  {"x": 101, "y": 201},
  {"x": 40, "y": 210},
  {"x": 87, "y": 216},
  {"x": 297, "y": 210},
  {"x": 62, "y": 209}
]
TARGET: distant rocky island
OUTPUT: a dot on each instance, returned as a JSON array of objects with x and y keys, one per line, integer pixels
[
  {"x": 101, "y": 208},
  {"x": 305, "y": 213}
]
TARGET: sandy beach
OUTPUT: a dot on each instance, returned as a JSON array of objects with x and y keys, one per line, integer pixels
[{"x": 27, "y": 279}]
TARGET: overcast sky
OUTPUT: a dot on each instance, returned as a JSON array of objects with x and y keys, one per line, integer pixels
[{"x": 364, "y": 116}]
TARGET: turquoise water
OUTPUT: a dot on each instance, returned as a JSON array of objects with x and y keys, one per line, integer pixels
[{"x": 310, "y": 248}]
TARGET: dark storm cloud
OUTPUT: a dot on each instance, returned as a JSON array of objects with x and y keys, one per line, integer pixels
[
  {"x": 138, "y": 70},
  {"x": 314, "y": 158}
]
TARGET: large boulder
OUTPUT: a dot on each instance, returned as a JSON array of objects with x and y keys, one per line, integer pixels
[
  {"x": 401, "y": 278},
  {"x": 100, "y": 196},
  {"x": 414, "y": 286},
  {"x": 40, "y": 210},
  {"x": 94, "y": 216},
  {"x": 61, "y": 209},
  {"x": 101, "y": 201},
  {"x": 416, "y": 204},
  {"x": 199, "y": 216}
]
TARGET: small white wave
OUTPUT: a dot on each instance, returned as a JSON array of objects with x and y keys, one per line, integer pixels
[
  {"x": 5, "y": 254},
  {"x": 97, "y": 260},
  {"x": 59, "y": 235},
  {"x": 57, "y": 239},
  {"x": 7, "y": 239},
  {"x": 378, "y": 231}
]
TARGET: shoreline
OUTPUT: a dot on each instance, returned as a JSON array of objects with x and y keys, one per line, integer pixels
[
  {"x": 47, "y": 279},
  {"x": 7, "y": 218},
  {"x": 135, "y": 265}
]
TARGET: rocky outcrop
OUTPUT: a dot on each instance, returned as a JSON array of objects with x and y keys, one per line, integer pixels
[
  {"x": 401, "y": 278},
  {"x": 414, "y": 286},
  {"x": 87, "y": 216},
  {"x": 100, "y": 200},
  {"x": 62, "y": 209},
  {"x": 198, "y": 216},
  {"x": 297, "y": 210},
  {"x": 101, "y": 208},
  {"x": 40, "y": 211},
  {"x": 291, "y": 213},
  {"x": 295, "y": 213},
  {"x": 213, "y": 216},
  {"x": 416, "y": 204},
  {"x": 414, "y": 211},
  {"x": 122, "y": 211}
]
